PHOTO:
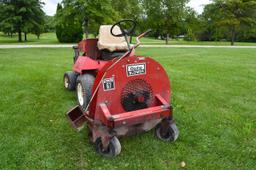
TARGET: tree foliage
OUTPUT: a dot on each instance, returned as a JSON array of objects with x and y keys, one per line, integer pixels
[
  {"x": 233, "y": 20},
  {"x": 21, "y": 16},
  {"x": 49, "y": 25},
  {"x": 192, "y": 25},
  {"x": 225, "y": 19},
  {"x": 166, "y": 17},
  {"x": 68, "y": 26},
  {"x": 236, "y": 14}
]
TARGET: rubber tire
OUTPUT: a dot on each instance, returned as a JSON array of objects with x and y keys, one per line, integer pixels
[
  {"x": 114, "y": 147},
  {"x": 172, "y": 134},
  {"x": 71, "y": 76},
  {"x": 86, "y": 81}
]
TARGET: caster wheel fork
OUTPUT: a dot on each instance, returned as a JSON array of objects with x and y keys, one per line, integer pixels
[{"x": 111, "y": 150}]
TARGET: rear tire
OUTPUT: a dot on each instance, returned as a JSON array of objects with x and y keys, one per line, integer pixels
[
  {"x": 114, "y": 147},
  {"x": 84, "y": 86},
  {"x": 69, "y": 80}
]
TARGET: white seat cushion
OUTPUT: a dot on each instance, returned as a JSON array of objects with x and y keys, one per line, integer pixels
[{"x": 109, "y": 42}]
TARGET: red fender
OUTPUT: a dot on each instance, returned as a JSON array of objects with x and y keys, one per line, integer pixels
[{"x": 84, "y": 63}]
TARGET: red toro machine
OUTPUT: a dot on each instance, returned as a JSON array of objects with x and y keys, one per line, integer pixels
[{"x": 118, "y": 93}]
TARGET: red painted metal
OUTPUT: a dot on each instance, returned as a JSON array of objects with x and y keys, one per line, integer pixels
[
  {"x": 89, "y": 48},
  {"x": 85, "y": 63},
  {"x": 105, "y": 112},
  {"x": 135, "y": 117},
  {"x": 155, "y": 76}
]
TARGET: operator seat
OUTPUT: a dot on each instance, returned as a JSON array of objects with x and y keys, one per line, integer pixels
[{"x": 110, "y": 46}]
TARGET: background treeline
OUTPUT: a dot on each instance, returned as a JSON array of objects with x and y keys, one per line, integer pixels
[
  {"x": 222, "y": 20},
  {"x": 24, "y": 16}
]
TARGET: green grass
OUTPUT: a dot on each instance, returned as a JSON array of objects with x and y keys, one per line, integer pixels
[
  {"x": 214, "y": 96},
  {"x": 46, "y": 38},
  {"x": 50, "y": 38},
  {"x": 153, "y": 41}
]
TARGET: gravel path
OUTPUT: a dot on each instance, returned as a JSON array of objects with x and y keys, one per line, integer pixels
[{"x": 143, "y": 46}]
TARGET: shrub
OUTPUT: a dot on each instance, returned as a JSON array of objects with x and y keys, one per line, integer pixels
[{"x": 69, "y": 32}]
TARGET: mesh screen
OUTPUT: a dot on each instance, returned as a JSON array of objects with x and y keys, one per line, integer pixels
[{"x": 137, "y": 94}]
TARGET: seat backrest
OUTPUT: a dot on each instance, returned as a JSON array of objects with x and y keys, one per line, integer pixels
[{"x": 108, "y": 42}]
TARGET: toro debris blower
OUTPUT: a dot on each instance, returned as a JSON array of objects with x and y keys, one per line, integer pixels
[{"x": 118, "y": 93}]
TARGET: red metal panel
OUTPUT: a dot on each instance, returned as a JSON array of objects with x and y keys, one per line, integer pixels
[
  {"x": 89, "y": 48},
  {"x": 155, "y": 76},
  {"x": 134, "y": 117},
  {"x": 140, "y": 116},
  {"x": 86, "y": 63}
]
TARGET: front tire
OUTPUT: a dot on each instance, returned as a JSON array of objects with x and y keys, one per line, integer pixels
[
  {"x": 69, "y": 80},
  {"x": 84, "y": 86}
]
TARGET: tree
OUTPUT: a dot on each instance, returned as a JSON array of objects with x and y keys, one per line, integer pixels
[
  {"x": 68, "y": 25},
  {"x": 133, "y": 9},
  {"x": 50, "y": 24},
  {"x": 165, "y": 16},
  {"x": 58, "y": 25},
  {"x": 236, "y": 14},
  {"x": 90, "y": 14},
  {"x": 21, "y": 15},
  {"x": 210, "y": 29},
  {"x": 192, "y": 24},
  {"x": 95, "y": 13}
]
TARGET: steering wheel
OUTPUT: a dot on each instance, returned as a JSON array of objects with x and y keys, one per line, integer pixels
[{"x": 124, "y": 31}]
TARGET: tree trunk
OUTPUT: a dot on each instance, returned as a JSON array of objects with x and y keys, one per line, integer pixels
[
  {"x": 233, "y": 35},
  {"x": 25, "y": 34},
  {"x": 11, "y": 34},
  {"x": 86, "y": 27},
  {"x": 86, "y": 34},
  {"x": 20, "y": 36},
  {"x": 38, "y": 36},
  {"x": 167, "y": 39}
]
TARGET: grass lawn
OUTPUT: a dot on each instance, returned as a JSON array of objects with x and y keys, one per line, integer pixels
[
  {"x": 153, "y": 41},
  {"x": 214, "y": 96},
  {"x": 46, "y": 38},
  {"x": 50, "y": 38}
]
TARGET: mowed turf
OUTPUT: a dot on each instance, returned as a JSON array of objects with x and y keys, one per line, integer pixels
[
  {"x": 50, "y": 38},
  {"x": 214, "y": 99}
]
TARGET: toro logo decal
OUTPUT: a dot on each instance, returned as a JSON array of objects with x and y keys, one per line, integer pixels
[
  {"x": 136, "y": 69},
  {"x": 109, "y": 84}
]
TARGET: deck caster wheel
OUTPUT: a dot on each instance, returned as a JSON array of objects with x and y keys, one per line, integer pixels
[
  {"x": 113, "y": 149},
  {"x": 69, "y": 80},
  {"x": 168, "y": 133}
]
